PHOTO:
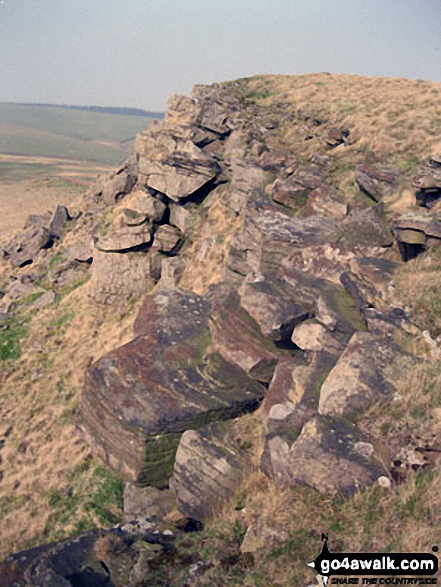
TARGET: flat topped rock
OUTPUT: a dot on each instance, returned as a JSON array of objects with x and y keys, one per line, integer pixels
[
  {"x": 422, "y": 221},
  {"x": 124, "y": 239},
  {"x": 163, "y": 382}
]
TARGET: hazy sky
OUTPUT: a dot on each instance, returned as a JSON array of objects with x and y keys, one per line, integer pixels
[{"x": 138, "y": 52}]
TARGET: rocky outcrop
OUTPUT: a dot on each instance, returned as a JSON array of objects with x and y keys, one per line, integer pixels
[
  {"x": 139, "y": 399},
  {"x": 265, "y": 280}
]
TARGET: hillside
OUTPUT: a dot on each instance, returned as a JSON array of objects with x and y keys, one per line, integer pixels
[
  {"x": 68, "y": 133},
  {"x": 231, "y": 344}
]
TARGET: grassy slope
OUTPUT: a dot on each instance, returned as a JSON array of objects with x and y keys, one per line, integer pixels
[
  {"x": 399, "y": 119},
  {"x": 67, "y": 133}
]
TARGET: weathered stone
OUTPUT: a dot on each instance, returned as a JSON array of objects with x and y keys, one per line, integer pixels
[
  {"x": 340, "y": 306},
  {"x": 238, "y": 337},
  {"x": 27, "y": 246},
  {"x": 325, "y": 314},
  {"x": 58, "y": 221},
  {"x": 81, "y": 252},
  {"x": 111, "y": 189},
  {"x": 375, "y": 276},
  {"x": 183, "y": 170},
  {"x": 117, "y": 277},
  {"x": 140, "y": 398},
  {"x": 365, "y": 374},
  {"x": 366, "y": 228},
  {"x": 181, "y": 110},
  {"x": 376, "y": 181},
  {"x": 327, "y": 261},
  {"x": 325, "y": 201},
  {"x": 246, "y": 178},
  {"x": 311, "y": 336},
  {"x": 124, "y": 239},
  {"x": 293, "y": 396},
  {"x": 209, "y": 465},
  {"x": 269, "y": 236},
  {"x": 182, "y": 218},
  {"x": 324, "y": 456},
  {"x": 275, "y": 306},
  {"x": 141, "y": 502},
  {"x": 283, "y": 192},
  {"x": 428, "y": 185},
  {"x": 167, "y": 239},
  {"x": 415, "y": 231},
  {"x": 172, "y": 269},
  {"x": 139, "y": 207}
]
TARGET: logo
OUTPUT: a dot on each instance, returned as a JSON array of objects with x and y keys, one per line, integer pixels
[{"x": 389, "y": 566}]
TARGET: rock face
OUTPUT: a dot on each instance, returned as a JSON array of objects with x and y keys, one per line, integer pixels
[{"x": 139, "y": 399}]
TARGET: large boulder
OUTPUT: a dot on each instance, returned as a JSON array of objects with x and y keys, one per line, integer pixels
[
  {"x": 376, "y": 180},
  {"x": 118, "y": 277},
  {"x": 114, "y": 187},
  {"x": 124, "y": 239},
  {"x": 274, "y": 305},
  {"x": 330, "y": 455},
  {"x": 210, "y": 463},
  {"x": 176, "y": 168},
  {"x": 270, "y": 235},
  {"x": 365, "y": 374},
  {"x": 238, "y": 338},
  {"x": 140, "y": 398},
  {"x": 23, "y": 249},
  {"x": 366, "y": 228}
]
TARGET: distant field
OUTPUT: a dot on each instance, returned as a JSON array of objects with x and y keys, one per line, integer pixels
[
  {"x": 33, "y": 185},
  {"x": 82, "y": 135}
]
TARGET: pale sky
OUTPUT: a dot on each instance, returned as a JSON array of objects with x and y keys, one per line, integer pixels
[{"x": 138, "y": 52}]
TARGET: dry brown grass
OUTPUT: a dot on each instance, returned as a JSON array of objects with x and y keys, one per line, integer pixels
[
  {"x": 45, "y": 459},
  {"x": 22, "y": 194},
  {"x": 391, "y": 116}
]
